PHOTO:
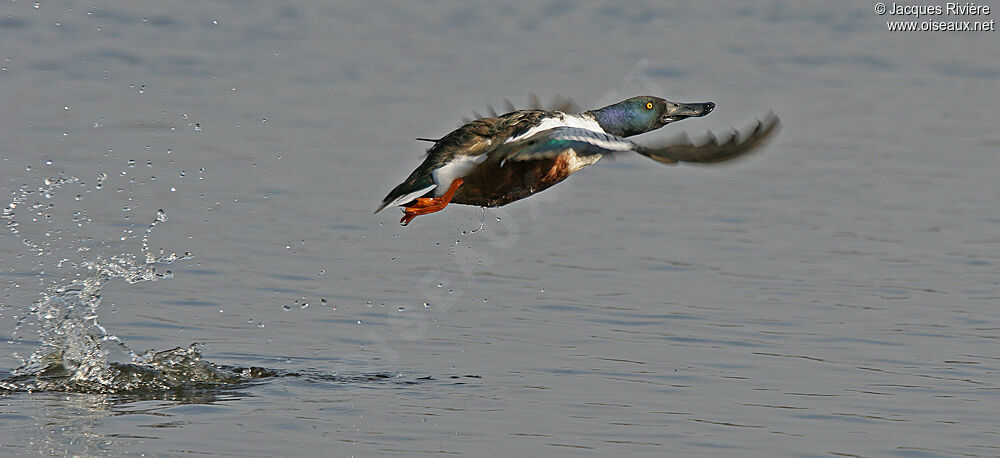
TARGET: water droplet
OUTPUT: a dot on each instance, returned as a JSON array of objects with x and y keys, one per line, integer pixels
[
  {"x": 37, "y": 5},
  {"x": 440, "y": 285},
  {"x": 401, "y": 308},
  {"x": 197, "y": 127},
  {"x": 322, "y": 301},
  {"x": 427, "y": 304},
  {"x": 286, "y": 307}
]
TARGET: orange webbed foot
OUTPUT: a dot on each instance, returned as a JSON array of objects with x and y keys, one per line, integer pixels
[{"x": 427, "y": 205}]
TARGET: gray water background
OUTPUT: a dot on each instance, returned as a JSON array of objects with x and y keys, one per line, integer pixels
[{"x": 835, "y": 294}]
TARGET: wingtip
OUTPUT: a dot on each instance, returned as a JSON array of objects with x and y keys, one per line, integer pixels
[
  {"x": 715, "y": 149},
  {"x": 769, "y": 126},
  {"x": 771, "y": 120},
  {"x": 764, "y": 132}
]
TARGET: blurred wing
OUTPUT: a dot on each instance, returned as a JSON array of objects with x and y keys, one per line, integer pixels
[
  {"x": 564, "y": 104},
  {"x": 714, "y": 150},
  {"x": 559, "y": 103},
  {"x": 534, "y": 103},
  {"x": 554, "y": 142}
]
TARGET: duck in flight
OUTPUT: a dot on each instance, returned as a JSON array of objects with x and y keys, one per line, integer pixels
[{"x": 493, "y": 161}]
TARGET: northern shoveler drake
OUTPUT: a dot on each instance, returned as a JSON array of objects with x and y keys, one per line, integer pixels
[{"x": 493, "y": 161}]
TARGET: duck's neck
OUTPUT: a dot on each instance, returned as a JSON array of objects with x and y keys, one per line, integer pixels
[{"x": 615, "y": 120}]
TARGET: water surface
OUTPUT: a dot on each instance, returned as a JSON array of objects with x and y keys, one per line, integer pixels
[{"x": 835, "y": 294}]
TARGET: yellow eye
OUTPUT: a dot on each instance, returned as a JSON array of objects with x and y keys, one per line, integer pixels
[{"x": 649, "y": 105}]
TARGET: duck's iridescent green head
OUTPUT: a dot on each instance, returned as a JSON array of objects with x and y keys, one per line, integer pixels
[{"x": 645, "y": 113}]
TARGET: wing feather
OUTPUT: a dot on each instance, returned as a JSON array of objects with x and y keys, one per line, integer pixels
[
  {"x": 553, "y": 142},
  {"x": 712, "y": 149},
  {"x": 584, "y": 142}
]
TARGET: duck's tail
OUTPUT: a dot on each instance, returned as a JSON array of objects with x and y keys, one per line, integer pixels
[{"x": 404, "y": 193}]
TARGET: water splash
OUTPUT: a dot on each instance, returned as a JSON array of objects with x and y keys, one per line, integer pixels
[
  {"x": 76, "y": 353},
  {"x": 169, "y": 371}
]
